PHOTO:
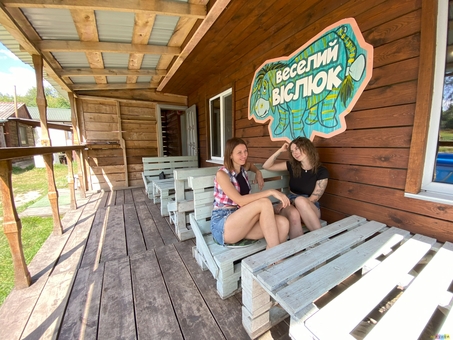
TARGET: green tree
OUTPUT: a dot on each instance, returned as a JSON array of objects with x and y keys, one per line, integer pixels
[
  {"x": 6, "y": 98},
  {"x": 54, "y": 98},
  {"x": 446, "y": 120}
]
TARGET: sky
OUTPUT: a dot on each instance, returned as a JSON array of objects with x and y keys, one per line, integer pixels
[{"x": 14, "y": 72}]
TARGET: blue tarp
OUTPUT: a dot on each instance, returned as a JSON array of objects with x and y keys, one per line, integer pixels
[{"x": 444, "y": 168}]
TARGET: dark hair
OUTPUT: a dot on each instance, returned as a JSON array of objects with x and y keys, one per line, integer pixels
[
  {"x": 309, "y": 149},
  {"x": 229, "y": 147}
]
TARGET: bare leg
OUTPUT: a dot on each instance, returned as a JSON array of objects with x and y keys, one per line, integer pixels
[
  {"x": 283, "y": 227},
  {"x": 309, "y": 212},
  {"x": 295, "y": 222},
  {"x": 254, "y": 221}
]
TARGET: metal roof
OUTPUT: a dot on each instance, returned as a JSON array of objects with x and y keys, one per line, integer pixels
[
  {"x": 106, "y": 45},
  {"x": 11, "y": 44},
  {"x": 8, "y": 109},
  {"x": 53, "y": 114}
]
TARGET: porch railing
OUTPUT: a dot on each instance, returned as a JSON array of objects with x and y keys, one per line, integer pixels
[{"x": 12, "y": 225}]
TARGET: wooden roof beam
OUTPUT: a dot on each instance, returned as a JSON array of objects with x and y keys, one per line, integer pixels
[
  {"x": 113, "y": 86},
  {"x": 16, "y": 31},
  {"x": 85, "y": 23},
  {"x": 216, "y": 10},
  {"x": 108, "y": 47},
  {"x": 143, "y": 25},
  {"x": 162, "y": 7},
  {"x": 83, "y": 72}
]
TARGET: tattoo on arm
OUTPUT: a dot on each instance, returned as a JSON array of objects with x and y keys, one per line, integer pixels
[{"x": 319, "y": 189}]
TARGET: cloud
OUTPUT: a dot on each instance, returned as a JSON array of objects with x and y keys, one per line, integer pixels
[
  {"x": 21, "y": 77},
  {"x": 7, "y": 54}
]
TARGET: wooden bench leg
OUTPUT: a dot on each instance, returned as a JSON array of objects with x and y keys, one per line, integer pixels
[
  {"x": 181, "y": 227},
  {"x": 256, "y": 305},
  {"x": 163, "y": 204}
]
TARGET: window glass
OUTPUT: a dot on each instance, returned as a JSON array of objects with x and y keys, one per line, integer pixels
[
  {"x": 216, "y": 136},
  {"x": 444, "y": 161},
  {"x": 228, "y": 117},
  {"x": 23, "y": 136},
  {"x": 221, "y": 123},
  {"x": 437, "y": 179}
]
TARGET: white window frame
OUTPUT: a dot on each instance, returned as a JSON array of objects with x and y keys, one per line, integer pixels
[
  {"x": 434, "y": 191},
  {"x": 218, "y": 159}
]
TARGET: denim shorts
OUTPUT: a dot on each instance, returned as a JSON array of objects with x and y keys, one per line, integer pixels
[
  {"x": 293, "y": 196},
  {"x": 218, "y": 218}
]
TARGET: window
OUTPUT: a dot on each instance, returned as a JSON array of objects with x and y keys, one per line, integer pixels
[
  {"x": 23, "y": 135},
  {"x": 221, "y": 123},
  {"x": 437, "y": 180}
]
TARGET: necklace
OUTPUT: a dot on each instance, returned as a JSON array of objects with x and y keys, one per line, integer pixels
[{"x": 306, "y": 170}]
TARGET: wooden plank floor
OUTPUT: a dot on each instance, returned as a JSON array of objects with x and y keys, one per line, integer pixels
[{"x": 119, "y": 272}]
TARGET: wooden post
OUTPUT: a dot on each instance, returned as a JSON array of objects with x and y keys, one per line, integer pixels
[
  {"x": 73, "y": 204},
  {"x": 76, "y": 141},
  {"x": 52, "y": 194},
  {"x": 12, "y": 227},
  {"x": 45, "y": 141},
  {"x": 84, "y": 179},
  {"x": 122, "y": 143},
  {"x": 41, "y": 100}
]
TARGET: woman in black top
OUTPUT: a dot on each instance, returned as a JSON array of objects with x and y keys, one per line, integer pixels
[{"x": 307, "y": 182}]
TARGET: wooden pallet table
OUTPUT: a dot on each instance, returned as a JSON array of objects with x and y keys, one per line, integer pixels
[
  {"x": 289, "y": 278},
  {"x": 411, "y": 312},
  {"x": 163, "y": 191}
]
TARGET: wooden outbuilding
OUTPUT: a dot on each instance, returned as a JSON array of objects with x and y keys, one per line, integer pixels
[{"x": 13, "y": 131}]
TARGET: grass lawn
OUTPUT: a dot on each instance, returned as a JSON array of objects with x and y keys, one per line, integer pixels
[
  {"x": 446, "y": 135},
  {"x": 35, "y": 230}
]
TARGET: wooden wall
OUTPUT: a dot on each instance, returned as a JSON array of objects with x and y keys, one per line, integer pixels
[
  {"x": 121, "y": 132},
  {"x": 368, "y": 163},
  {"x": 11, "y": 130}
]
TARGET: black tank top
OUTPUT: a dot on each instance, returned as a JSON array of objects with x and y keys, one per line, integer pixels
[{"x": 242, "y": 184}]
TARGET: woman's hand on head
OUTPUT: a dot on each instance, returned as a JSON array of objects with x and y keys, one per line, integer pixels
[{"x": 284, "y": 147}]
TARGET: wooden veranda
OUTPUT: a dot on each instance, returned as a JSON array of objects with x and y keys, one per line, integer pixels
[{"x": 119, "y": 272}]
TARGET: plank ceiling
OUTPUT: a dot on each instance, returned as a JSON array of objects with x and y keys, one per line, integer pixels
[{"x": 92, "y": 45}]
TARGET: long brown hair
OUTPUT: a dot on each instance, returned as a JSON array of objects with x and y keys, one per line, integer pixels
[
  {"x": 229, "y": 147},
  {"x": 309, "y": 149}
]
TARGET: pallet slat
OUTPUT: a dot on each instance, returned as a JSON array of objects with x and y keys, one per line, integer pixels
[
  {"x": 412, "y": 311},
  {"x": 381, "y": 280},
  {"x": 278, "y": 275}
]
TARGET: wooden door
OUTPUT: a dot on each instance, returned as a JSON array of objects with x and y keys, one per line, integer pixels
[{"x": 191, "y": 129}]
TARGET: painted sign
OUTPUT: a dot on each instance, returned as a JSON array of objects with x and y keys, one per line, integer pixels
[{"x": 310, "y": 92}]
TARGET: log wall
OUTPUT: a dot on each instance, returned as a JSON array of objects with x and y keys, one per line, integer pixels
[
  {"x": 12, "y": 134},
  {"x": 122, "y": 133},
  {"x": 368, "y": 163}
]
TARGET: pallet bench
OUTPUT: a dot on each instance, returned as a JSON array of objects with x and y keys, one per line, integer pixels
[
  {"x": 153, "y": 166},
  {"x": 182, "y": 204},
  {"x": 224, "y": 262},
  {"x": 163, "y": 192},
  {"x": 389, "y": 259}
]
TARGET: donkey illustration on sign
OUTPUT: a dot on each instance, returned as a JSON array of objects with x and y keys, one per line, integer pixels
[{"x": 310, "y": 92}]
